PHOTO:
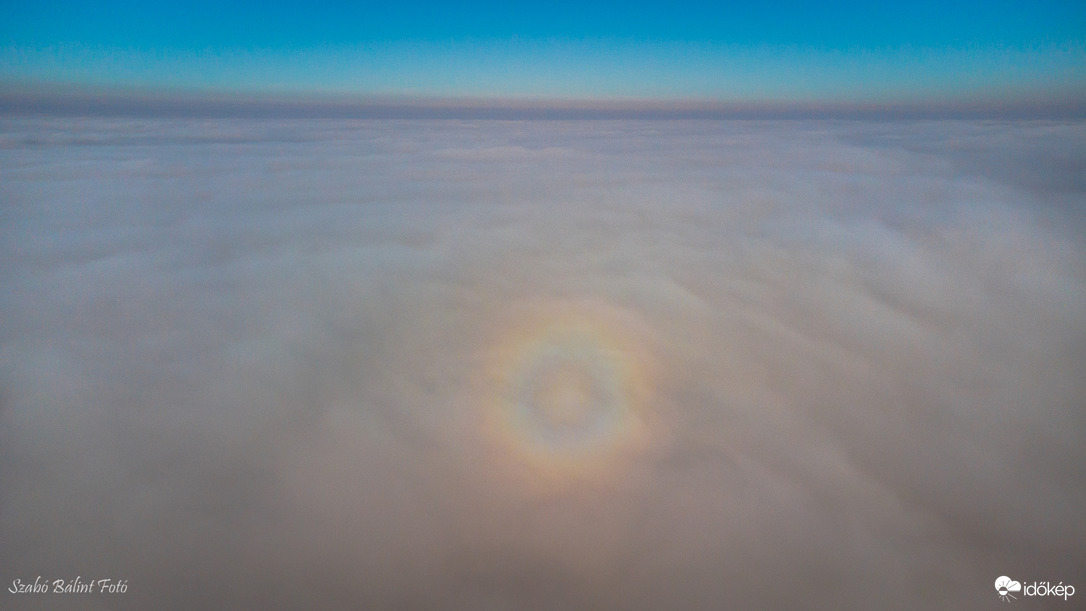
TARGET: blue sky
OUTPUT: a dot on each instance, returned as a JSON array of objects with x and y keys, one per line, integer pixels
[{"x": 791, "y": 52}]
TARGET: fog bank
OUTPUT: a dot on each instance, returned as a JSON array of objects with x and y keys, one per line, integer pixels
[{"x": 541, "y": 364}]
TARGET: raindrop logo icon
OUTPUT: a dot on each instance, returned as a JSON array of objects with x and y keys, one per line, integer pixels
[{"x": 1005, "y": 585}]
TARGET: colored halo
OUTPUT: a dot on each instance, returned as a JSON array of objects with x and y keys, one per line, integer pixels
[{"x": 570, "y": 390}]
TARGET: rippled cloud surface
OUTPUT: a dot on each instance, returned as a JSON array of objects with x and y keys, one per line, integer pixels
[{"x": 541, "y": 365}]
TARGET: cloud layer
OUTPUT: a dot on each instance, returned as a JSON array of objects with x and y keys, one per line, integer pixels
[{"x": 257, "y": 364}]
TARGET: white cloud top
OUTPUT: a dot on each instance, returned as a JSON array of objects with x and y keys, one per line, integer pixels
[{"x": 268, "y": 364}]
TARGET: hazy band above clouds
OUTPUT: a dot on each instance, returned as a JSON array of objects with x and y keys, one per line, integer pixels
[
  {"x": 56, "y": 100},
  {"x": 541, "y": 365}
]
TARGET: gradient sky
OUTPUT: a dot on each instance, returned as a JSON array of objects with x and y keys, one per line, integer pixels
[{"x": 914, "y": 52}]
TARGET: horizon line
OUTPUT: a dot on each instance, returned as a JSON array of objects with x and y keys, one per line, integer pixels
[{"x": 187, "y": 104}]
